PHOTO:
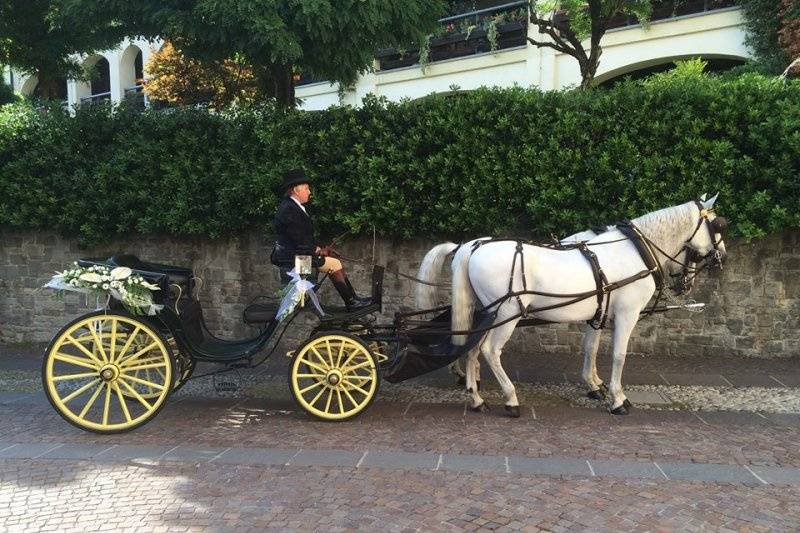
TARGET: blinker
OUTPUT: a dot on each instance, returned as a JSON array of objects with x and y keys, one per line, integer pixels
[{"x": 719, "y": 224}]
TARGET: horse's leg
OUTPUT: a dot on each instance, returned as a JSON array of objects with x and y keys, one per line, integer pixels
[
  {"x": 623, "y": 327},
  {"x": 455, "y": 369},
  {"x": 492, "y": 348},
  {"x": 473, "y": 369},
  {"x": 591, "y": 341}
]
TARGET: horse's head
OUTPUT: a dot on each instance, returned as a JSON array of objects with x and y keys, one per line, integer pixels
[{"x": 705, "y": 246}]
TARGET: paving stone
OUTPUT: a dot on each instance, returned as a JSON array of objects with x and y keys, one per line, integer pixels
[
  {"x": 785, "y": 419},
  {"x": 751, "y": 379},
  {"x": 778, "y": 475},
  {"x": 734, "y": 418},
  {"x": 13, "y": 397},
  {"x": 256, "y": 456},
  {"x": 626, "y": 469},
  {"x": 548, "y": 466},
  {"x": 647, "y": 397},
  {"x": 641, "y": 378},
  {"x": 473, "y": 463},
  {"x": 132, "y": 452},
  {"x": 788, "y": 379},
  {"x": 400, "y": 460},
  {"x": 326, "y": 458},
  {"x": 708, "y": 472},
  {"x": 707, "y": 380},
  {"x": 77, "y": 452},
  {"x": 192, "y": 455},
  {"x": 27, "y": 451}
]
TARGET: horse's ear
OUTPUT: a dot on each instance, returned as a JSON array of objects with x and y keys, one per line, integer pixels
[
  {"x": 703, "y": 197},
  {"x": 708, "y": 204}
]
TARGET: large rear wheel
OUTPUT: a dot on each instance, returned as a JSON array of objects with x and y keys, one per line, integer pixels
[
  {"x": 334, "y": 376},
  {"x": 108, "y": 372}
]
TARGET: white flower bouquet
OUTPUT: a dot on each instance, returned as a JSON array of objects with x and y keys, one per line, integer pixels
[{"x": 133, "y": 291}]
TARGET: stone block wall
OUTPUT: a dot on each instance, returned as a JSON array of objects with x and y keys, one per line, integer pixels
[{"x": 753, "y": 305}]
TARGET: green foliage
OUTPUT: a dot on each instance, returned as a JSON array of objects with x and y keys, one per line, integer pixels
[
  {"x": 6, "y": 92},
  {"x": 510, "y": 161},
  {"x": 328, "y": 39},
  {"x": 762, "y": 22},
  {"x": 34, "y": 39}
]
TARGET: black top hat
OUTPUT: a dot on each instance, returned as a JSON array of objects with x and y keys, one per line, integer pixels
[{"x": 294, "y": 177}]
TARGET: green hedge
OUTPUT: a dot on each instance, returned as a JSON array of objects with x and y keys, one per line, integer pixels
[{"x": 487, "y": 162}]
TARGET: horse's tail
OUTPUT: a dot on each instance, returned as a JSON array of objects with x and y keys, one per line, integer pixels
[
  {"x": 463, "y": 295},
  {"x": 430, "y": 271}
]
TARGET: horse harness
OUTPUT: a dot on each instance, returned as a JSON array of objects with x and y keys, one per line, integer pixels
[{"x": 647, "y": 250}]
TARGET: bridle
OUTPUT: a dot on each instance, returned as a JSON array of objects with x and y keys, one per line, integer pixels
[{"x": 712, "y": 259}]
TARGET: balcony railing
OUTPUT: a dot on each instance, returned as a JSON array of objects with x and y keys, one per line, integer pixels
[
  {"x": 673, "y": 8},
  {"x": 135, "y": 96},
  {"x": 96, "y": 98},
  {"x": 465, "y": 34}
]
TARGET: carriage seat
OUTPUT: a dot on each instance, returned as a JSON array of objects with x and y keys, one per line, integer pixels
[
  {"x": 181, "y": 276},
  {"x": 260, "y": 314}
]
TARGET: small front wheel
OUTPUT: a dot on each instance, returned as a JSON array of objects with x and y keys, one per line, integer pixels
[{"x": 334, "y": 376}]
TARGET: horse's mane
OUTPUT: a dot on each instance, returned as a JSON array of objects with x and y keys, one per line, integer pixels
[{"x": 667, "y": 227}]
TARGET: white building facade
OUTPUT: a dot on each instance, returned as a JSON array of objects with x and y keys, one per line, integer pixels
[{"x": 714, "y": 31}]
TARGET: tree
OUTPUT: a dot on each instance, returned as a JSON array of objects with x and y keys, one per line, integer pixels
[
  {"x": 789, "y": 33},
  {"x": 6, "y": 91},
  {"x": 176, "y": 79},
  {"x": 771, "y": 27},
  {"x": 567, "y": 23},
  {"x": 34, "y": 39},
  {"x": 329, "y": 39}
]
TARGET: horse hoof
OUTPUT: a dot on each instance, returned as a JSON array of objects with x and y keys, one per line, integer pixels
[
  {"x": 512, "y": 411},
  {"x": 621, "y": 410},
  {"x": 480, "y": 408},
  {"x": 627, "y": 403},
  {"x": 461, "y": 381},
  {"x": 596, "y": 395}
]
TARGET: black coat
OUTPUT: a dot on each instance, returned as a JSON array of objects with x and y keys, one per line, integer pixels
[{"x": 294, "y": 234}]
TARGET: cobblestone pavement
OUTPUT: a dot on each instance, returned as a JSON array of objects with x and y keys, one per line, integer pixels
[{"x": 413, "y": 461}]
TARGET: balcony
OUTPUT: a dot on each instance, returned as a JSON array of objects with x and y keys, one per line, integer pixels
[
  {"x": 96, "y": 98},
  {"x": 466, "y": 34},
  {"x": 673, "y": 8},
  {"x": 135, "y": 96}
]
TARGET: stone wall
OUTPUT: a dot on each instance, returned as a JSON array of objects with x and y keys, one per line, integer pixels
[{"x": 753, "y": 304}]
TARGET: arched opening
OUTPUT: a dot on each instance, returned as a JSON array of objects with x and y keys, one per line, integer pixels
[
  {"x": 648, "y": 68},
  {"x": 57, "y": 92},
  {"x": 132, "y": 74},
  {"x": 98, "y": 88}
]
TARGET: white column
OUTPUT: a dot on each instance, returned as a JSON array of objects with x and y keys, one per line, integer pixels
[{"x": 115, "y": 76}]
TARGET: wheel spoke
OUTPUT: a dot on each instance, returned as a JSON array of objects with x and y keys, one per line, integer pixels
[
  {"x": 97, "y": 341},
  {"x": 122, "y": 403},
  {"x": 330, "y": 352},
  {"x": 66, "y": 377},
  {"x": 113, "y": 339},
  {"x": 312, "y": 402},
  {"x": 143, "y": 382},
  {"x": 107, "y": 404},
  {"x": 314, "y": 365},
  {"x": 142, "y": 367},
  {"x": 78, "y": 392},
  {"x": 144, "y": 350},
  {"x": 328, "y": 403},
  {"x": 319, "y": 356},
  {"x": 315, "y": 384},
  {"x": 339, "y": 355},
  {"x": 352, "y": 354},
  {"x": 313, "y": 376},
  {"x": 83, "y": 348},
  {"x": 77, "y": 361},
  {"x": 341, "y": 405},
  {"x": 136, "y": 395},
  {"x": 91, "y": 401},
  {"x": 349, "y": 397},
  {"x": 356, "y": 387},
  {"x": 356, "y": 367},
  {"x": 128, "y": 343}
]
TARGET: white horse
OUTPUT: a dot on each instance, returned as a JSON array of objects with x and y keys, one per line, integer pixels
[
  {"x": 679, "y": 233},
  {"x": 680, "y": 271}
]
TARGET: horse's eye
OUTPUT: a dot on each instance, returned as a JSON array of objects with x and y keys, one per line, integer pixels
[{"x": 719, "y": 224}]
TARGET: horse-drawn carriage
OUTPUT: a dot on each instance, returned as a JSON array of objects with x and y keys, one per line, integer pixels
[{"x": 110, "y": 370}]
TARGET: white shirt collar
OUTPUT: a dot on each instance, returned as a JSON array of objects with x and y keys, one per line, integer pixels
[{"x": 298, "y": 203}]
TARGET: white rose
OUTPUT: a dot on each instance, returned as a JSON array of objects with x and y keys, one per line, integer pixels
[
  {"x": 90, "y": 277},
  {"x": 105, "y": 286},
  {"x": 121, "y": 273}
]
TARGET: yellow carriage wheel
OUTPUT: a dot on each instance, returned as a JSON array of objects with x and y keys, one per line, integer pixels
[
  {"x": 94, "y": 372},
  {"x": 334, "y": 376}
]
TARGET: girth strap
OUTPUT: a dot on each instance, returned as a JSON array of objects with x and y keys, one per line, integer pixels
[{"x": 600, "y": 280}]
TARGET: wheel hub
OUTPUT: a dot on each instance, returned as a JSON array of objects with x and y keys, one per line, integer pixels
[
  {"x": 333, "y": 377},
  {"x": 109, "y": 373}
]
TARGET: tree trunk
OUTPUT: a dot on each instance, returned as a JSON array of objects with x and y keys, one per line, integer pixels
[
  {"x": 47, "y": 85},
  {"x": 277, "y": 82}
]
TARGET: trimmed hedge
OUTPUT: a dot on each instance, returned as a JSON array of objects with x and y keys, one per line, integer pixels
[{"x": 492, "y": 161}]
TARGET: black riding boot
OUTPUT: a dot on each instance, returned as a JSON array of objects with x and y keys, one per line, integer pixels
[{"x": 345, "y": 290}]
